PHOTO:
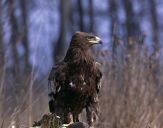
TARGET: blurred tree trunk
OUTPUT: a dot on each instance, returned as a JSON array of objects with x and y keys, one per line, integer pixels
[
  {"x": 59, "y": 49},
  {"x": 113, "y": 15},
  {"x": 154, "y": 59},
  {"x": 81, "y": 16},
  {"x": 1, "y": 43},
  {"x": 132, "y": 32},
  {"x": 24, "y": 4},
  {"x": 113, "y": 24},
  {"x": 91, "y": 23},
  {"x": 14, "y": 37},
  {"x": 91, "y": 14},
  {"x": 131, "y": 20},
  {"x": 155, "y": 26},
  {"x": 2, "y": 64},
  {"x": 132, "y": 25},
  {"x": 25, "y": 41},
  {"x": 15, "y": 66}
]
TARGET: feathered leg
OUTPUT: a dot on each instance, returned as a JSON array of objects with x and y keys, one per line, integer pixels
[
  {"x": 52, "y": 102},
  {"x": 92, "y": 110},
  {"x": 67, "y": 117},
  {"x": 75, "y": 118}
]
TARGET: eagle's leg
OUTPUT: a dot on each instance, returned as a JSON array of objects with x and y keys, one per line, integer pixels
[
  {"x": 51, "y": 106},
  {"x": 52, "y": 102},
  {"x": 67, "y": 118},
  {"x": 75, "y": 118},
  {"x": 90, "y": 116},
  {"x": 92, "y": 109}
]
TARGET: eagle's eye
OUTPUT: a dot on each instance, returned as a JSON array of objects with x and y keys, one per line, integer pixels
[{"x": 90, "y": 37}]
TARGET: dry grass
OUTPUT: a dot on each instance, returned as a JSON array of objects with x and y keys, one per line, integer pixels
[
  {"x": 131, "y": 95},
  {"x": 132, "y": 90}
]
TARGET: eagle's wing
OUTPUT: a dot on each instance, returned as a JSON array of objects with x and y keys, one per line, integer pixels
[
  {"x": 98, "y": 76},
  {"x": 56, "y": 76}
]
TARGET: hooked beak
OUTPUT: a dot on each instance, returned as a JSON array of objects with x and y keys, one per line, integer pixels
[{"x": 97, "y": 40}]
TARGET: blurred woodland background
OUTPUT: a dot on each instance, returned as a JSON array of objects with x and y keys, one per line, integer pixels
[{"x": 35, "y": 34}]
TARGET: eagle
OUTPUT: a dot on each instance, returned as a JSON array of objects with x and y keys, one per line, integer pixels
[{"x": 76, "y": 80}]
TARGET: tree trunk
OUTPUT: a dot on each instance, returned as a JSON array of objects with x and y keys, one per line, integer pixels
[
  {"x": 15, "y": 56},
  {"x": 2, "y": 64},
  {"x": 81, "y": 15},
  {"x": 155, "y": 26},
  {"x": 14, "y": 37},
  {"x": 114, "y": 21},
  {"x": 91, "y": 14},
  {"x": 24, "y": 4},
  {"x": 59, "y": 49},
  {"x": 1, "y": 42},
  {"x": 154, "y": 60},
  {"x": 132, "y": 25}
]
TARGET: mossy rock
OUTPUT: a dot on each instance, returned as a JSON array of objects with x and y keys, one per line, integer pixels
[
  {"x": 54, "y": 121},
  {"x": 49, "y": 121}
]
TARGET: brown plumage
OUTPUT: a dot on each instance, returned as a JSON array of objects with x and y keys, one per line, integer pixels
[{"x": 76, "y": 81}]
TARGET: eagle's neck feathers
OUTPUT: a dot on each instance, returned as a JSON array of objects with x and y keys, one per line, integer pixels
[{"x": 78, "y": 55}]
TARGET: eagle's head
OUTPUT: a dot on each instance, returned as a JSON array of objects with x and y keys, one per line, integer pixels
[{"x": 84, "y": 40}]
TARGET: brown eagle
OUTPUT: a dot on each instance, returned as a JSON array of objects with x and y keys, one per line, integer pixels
[{"x": 75, "y": 81}]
